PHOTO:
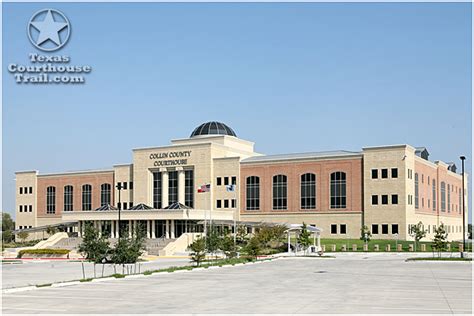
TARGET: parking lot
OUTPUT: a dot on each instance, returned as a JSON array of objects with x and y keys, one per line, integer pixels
[{"x": 358, "y": 283}]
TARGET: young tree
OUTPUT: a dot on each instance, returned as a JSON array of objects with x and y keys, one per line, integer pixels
[
  {"x": 365, "y": 234},
  {"x": 228, "y": 247},
  {"x": 417, "y": 232},
  {"x": 8, "y": 225},
  {"x": 304, "y": 238},
  {"x": 242, "y": 235},
  {"x": 212, "y": 240},
  {"x": 253, "y": 247},
  {"x": 23, "y": 236},
  {"x": 440, "y": 239},
  {"x": 198, "y": 253}
]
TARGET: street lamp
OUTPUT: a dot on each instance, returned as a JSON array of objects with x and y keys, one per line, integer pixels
[
  {"x": 463, "y": 210},
  {"x": 119, "y": 188}
]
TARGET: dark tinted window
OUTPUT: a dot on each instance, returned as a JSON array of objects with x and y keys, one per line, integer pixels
[
  {"x": 375, "y": 173},
  {"x": 333, "y": 229},
  {"x": 219, "y": 204},
  {"x": 219, "y": 181},
  {"x": 131, "y": 185},
  {"x": 338, "y": 189},
  {"x": 226, "y": 180},
  {"x": 226, "y": 203},
  {"x": 384, "y": 173},
  {"x": 375, "y": 199},
  {"x": 394, "y": 198},
  {"x": 31, "y": 190},
  {"x": 375, "y": 229},
  {"x": 394, "y": 228},
  {"x": 21, "y": 190},
  {"x": 384, "y": 199},
  {"x": 343, "y": 229},
  {"x": 124, "y": 185},
  {"x": 394, "y": 172},
  {"x": 253, "y": 193},
  {"x": 384, "y": 228},
  {"x": 234, "y": 180}
]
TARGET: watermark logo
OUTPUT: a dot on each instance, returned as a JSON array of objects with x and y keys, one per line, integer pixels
[{"x": 49, "y": 30}]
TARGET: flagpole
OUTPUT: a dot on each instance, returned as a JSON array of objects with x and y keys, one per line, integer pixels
[{"x": 235, "y": 217}]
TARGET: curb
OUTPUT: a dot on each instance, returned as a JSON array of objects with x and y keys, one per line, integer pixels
[{"x": 19, "y": 289}]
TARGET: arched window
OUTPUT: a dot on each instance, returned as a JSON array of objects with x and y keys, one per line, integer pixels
[
  {"x": 417, "y": 195},
  {"x": 104, "y": 194},
  {"x": 443, "y": 196},
  {"x": 253, "y": 193},
  {"x": 338, "y": 189},
  {"x": 308, "y": 191},
  {"x": 50, "y": 200},
  {"x": 434, "y": 194},
  {"x": 86, "y": 197},
  {"x": 68, "y": 198},
  {"x": 280, "y": 192},
  {"x": 449, "y": 199}
]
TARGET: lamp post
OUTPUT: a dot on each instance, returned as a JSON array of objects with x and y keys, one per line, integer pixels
[
  {"x": 119, "y": 188},
  {"x": 463, "y": 210}
]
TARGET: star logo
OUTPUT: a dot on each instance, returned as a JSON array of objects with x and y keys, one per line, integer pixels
[{"x": 49, "y": 30}]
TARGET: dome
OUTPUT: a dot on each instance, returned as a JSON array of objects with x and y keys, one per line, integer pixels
[{"x": 213, "y": 128}]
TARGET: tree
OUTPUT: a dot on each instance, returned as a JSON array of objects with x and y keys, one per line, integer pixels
[
  {"x": 417, "y": 232},
  {"x": 212, "y": 240},
  {"x": 304, "y": 238},
  {"x": 365, "y": 234},
  {"x": 440, "y": 239},
  {"x": 50, "y": 230},
  {"x": 253, "y": 247},
  {"x": 228, "y": 247},
  {"x": 128, "y": 250},
  {"x": 242, "y": 235},
  {"x": 23, "y": 236},
  {"x": 469, "y": 231},
  {"x": 8, "y": 225},
  {"x": 198, "y": 248},
  {"x": 94, "y": 247}
]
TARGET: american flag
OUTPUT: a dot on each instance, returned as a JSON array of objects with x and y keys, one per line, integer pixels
[{"x": 204, "y": 188}]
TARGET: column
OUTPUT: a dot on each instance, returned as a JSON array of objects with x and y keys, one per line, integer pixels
[
  {"x": 99, "y": 227},
  {"x": 153, "y": 235},
  {"x": 135, "y": 225},
  {"x": 129, "y": 228},
  {"x": 181, "y": 182},
  {"x": 167, "y": 229},
  {"x": 164, "y": 187},
  {"x": 147, "y": 229},
  {"x": 172, "y": 228},
  {"x": 79, "y": 228},
  {"x": 112, "y": 229}
]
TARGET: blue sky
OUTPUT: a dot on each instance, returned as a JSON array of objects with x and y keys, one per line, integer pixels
[{"x": 291, "y": 77}]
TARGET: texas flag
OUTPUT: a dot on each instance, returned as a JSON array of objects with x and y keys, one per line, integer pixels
[{"x": 204, "y": 188}]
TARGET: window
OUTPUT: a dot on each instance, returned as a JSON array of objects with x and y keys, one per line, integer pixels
[
  {"x": 280, "y": 193},
  {"x": 384, "y": 199},
  {"x": 124, "y": 205},
  {"x": 234, "y": 180},
  {"x": 384, "y": 229},
  {"x": 428, "y": 203},
  {"x": 226, "y": 180},
  {"x": 50, "y": 200},
  {"x": 410, "y": 199},
  {"x": 384, "y": 173},
  {"x": 422, "y": 178},
  {"x": 157, "y": 193},
  {"x": 226, "y": 203},
  {"x": 219, "y": 181},
  {"x": 253, "y": 193},
  {"x": 172, "y": 187},
  {"x": 410, "y": 174},
  {"x": 105, "y": 193},
  {"x": 338, "y": 189},
  {"x": 449, "y": 199},
  {"x": 234, "y": 203},
  {"x": 342, "y": 229},
  {"x": 416, "y": 191},
  {"x": 31, "y": 190},
  {"x": 375, "y": 173},
  {"x": 219, "y": 204},
  {"x": 68, "y": 198},
  {"x": 130, "y": 204},
  {"x": 375, "y": 229},
  {"x": 308, "y": 191},
  {"x": 394, "y": 198},
  {"x": 460, "y": 202},
  {"x": 130, "y": 186},
  {"x": 443, "y": 197},
  {"x": 21, "y": 209},
  {"x": 422, "y": 202},
  {"x": 394, "y": 229},
  {"x": 394, "y": 173},
  {"x": 30, "y": 208},
  {"x": 375, "y": 199},
  {"x": 124, "y": 186},
  {"x": 21, "y": 190},
  {"x": 434, "y": 194},
  {"x": 86, "y": 197},
  {"x": 189, "y": 188},
  {"x": 333, "y": 229},
  {"x": 428, "y": 180}
]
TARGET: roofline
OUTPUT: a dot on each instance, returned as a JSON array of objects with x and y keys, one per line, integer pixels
[
  {"x": 171, "y": 146},
  {"x": 276, "y": 159},
  {"x": 123, "y": 165},
  {"x": 26, "y": 171},
  {"x": 388, "y": 147},
  {"x": 76, "y": 172}
]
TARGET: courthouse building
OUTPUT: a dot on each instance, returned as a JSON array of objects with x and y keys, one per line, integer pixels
[{"x": 173, "y": 189}]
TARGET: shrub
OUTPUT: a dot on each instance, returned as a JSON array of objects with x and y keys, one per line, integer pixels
[
  {"x": 42, "y": 252},
  {"x": 118, "y": 275}
]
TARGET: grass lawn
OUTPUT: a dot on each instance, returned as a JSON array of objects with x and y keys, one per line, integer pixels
[{"x": 382, "y": 243}]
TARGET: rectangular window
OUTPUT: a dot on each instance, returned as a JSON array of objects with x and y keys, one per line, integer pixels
[
  {"x": 130, "y": 186},
  {"x": 124, "y": 185},
  {"x": 30, "y": 208},
  {"x": 333, "y": 229},
  {"x": 172, "y": 187},
  {"x": 375, "y": 173},
  {"x": 21, "y": 190},
  {"x": 384, "y": 199},
  {"x": 226, "y": 180},
  {"x": 384, "y": 173},
  {"x": 384, "y": 229},
  {"x": 124, "y": 205},
  {"x": 219, "y": 204},
  {"x": 422, "y": 178},
  {"x": 21, "y": 208},
  {"x": 375, "y": 229},
  {"x": 422, "y": 202},
  {"x": 394, "y": 198},
  {"x": 31, "y": 190},
  {"x": 234, "y": 203},
  {"x": 394, "y": 173},
  {"x": 375, "y": 199},
  {"x": 157, "y": 194},
  {"x": 226, "y": 203},
  {"x": 234, "y": 180},
  {"x": 394, "y": 229},
  {"x": 130, "y": 204},
  {"x": 428, "y": 180},
  {"x": 343, "y": 228},
  {"x": 219, "y": 181},
  {"x": 189, "y": 188}
]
